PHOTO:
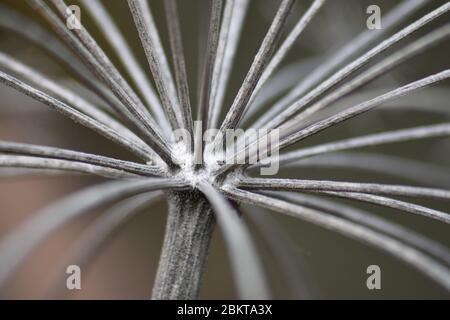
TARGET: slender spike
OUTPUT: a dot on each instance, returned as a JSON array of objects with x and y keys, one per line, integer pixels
[
  {"x": 17, "y": 173},
  {"x": 282, "y": 81},
  {"x": 259, "y": 63},
  {"x": 319, "y": 126},
  {"x": 325, "y": 185},
  {"x": 16, "y": 246},
  {"x": 287, "y": 45},
  {"x": 400, "y": 56},
  {"x": 368, "y": 219},
  {"x": 355, "y": 65},
  {"x": 93, "y": 239},
  {"x": 74, "y": 115},
  {"x": 114, "y": 36},
  {"x": 134, "y": 114},
  {"x": 176, "y": 44},
  {"x": 402, "y": 135},
  {"x": 356, "y": 110},
  {"x": 61, "y": 165},
  {"x": 248, "y": 272},
  {"x": 207, "y": 74},
  {"x": 418, "y": 260},
  {"x": 33, "y": 32},
  {"x": 391, "y": 20},
  {"x": 99, "y": 55},
  {"x": 393, "y": 203},
  {"x": 68, "y": 97},
  {"x": 156, "y": 59},
  {"x": 284, "y": 250},
  {"x": 421, "y": 103},
  {"x": 413, "y": 170},
  {"x": 63, "y": 154},
  {"x": 208, "y": 67},
  {"x": 418, "y": 103},
  {"x": 230, "y": 33}
]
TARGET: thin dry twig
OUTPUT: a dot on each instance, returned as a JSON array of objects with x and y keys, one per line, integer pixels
[
  {"x": 97, "y": 160},
  {"x": 325, "y": 185},
  {"x": 364, "y": 39},
  {"x": 230, "y": 33},
  {"x": 156, "y": 59},
  {"x": 248, "y": 272},
  {"x": 16, "y": 246},
  {"x": 74, "y": 115},
  {"x": 368, "y": 219},
  {"x": 112, "y": 34},
  {"x": 416, "y": 259},
  {"x": 176, "y": 44},
  {"x": 258, "y": 65}
]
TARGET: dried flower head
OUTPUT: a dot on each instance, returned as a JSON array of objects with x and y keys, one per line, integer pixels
[{"x": 201, "y": 184}]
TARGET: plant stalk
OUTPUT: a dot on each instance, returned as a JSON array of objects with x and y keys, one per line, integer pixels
[{"x": 189, "y": 228}]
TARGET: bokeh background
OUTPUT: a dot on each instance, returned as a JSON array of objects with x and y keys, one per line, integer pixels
[{"x": 329, "y": 265}]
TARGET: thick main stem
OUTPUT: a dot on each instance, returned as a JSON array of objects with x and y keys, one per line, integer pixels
[{"x": 185, "y": 249}]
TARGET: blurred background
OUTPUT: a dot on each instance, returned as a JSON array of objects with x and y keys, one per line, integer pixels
[{"x": 329, "y": 266}]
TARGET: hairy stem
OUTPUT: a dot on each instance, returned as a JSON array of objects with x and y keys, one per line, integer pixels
[{"x": 188, "y": 234}]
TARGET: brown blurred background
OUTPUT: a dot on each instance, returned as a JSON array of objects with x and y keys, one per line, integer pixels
[{"x": 331, "y": 266}]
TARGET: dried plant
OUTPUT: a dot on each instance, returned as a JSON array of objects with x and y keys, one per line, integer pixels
[{"x": 142, "y": 121}]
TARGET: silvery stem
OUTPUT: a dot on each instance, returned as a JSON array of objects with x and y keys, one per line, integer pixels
[{"x": 190, "y": 223}]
